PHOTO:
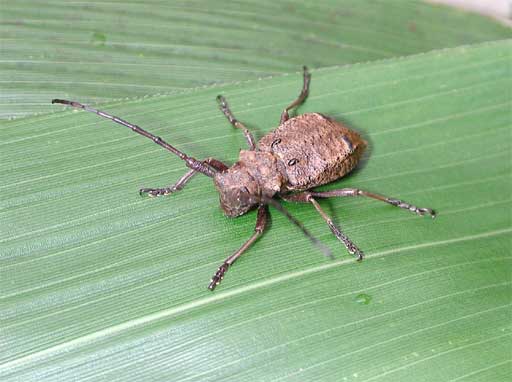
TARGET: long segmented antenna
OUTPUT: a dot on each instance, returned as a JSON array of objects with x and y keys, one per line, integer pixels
[
  {"x": 326, "y": 251},
  {"x": 191, "y": 162}
]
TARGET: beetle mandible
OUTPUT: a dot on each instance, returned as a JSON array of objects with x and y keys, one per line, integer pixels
[{"x": 304, "y": 152}]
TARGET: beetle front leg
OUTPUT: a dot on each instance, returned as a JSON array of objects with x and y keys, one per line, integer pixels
[
  {"x": 153, "y": 192},
  {"x": 261, "y": 223},
  {"x": 180, "y": 184},
  {"x": 394, "y": 202},
  {"x": 307, "y": 197}
]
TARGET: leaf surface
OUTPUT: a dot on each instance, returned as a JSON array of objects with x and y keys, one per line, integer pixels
[
  {"x": 102, "y": 51},
  {"x": 98, "y": 284}
]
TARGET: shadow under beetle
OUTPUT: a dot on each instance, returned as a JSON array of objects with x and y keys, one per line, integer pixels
[{"x": 303, "y": 152}]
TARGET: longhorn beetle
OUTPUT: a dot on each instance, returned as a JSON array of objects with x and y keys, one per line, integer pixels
[{"x": 304, "y": 152}]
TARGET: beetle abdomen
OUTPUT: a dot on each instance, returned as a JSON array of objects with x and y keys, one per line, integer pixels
[{"x": 313, "y": 149}]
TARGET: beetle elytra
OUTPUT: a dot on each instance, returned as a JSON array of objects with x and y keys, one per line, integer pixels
[{"x": 304, "y": 152}]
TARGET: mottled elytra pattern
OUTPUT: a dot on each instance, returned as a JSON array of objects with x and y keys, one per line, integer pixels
[
  {"x": 301, "y": 153},
  {"x": 315, "y": 148}
]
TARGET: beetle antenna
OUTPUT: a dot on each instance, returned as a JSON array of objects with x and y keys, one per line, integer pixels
[
  {"x": 191, "y": 162},
  {"x": 326, "y": 251}
]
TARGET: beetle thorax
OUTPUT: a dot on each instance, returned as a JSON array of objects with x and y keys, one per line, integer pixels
[{"x": 242, "y": 186}]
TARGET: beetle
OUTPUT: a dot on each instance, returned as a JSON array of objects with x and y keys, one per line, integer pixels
[{"x": 303, "y": 152}]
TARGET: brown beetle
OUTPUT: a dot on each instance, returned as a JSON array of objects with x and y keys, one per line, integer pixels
[{"x": 303, "y": 152}]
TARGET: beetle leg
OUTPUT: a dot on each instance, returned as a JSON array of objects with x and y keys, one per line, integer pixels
[
  {"x": 224, "y": 107},
  {"x": 351, "y": 247},
  {"x": 216, "y": 164},
  {"x": 307, "y": 197},
  {"x": 152, "y": 192},
  {"x": 394, "y": 202},
  {"x": 261, "y": 223},
  {"x": 302, "y": 96}
]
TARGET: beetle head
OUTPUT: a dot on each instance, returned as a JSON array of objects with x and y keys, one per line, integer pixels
[{"x": 238, "y": 190}]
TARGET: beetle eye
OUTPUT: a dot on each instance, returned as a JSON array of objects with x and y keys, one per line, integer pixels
[{"x": 292, "y": 162}]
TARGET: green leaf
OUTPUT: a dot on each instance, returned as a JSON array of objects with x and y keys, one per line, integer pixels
[
  {"x": 101, "y": 51},
  {"x": 99, "y": 284}
]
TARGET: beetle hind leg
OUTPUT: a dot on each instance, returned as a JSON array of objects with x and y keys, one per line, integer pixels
[
  {"x": 307, "y": 197},
  {"x": 349, "y": 244},
  {"x": 394, "y": 202}
]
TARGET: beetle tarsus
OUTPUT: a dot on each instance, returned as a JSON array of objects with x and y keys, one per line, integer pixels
[
  {"x": 417, "y": 210},
  {"x": 351, "y": 247},
  {"x": 154, "y": 192},
  {"x": 218, "y": 276}
]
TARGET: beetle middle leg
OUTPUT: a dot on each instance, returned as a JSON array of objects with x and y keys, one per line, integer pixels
[
  {"x": 394, "y": 202},
  {"x": 153, "y": 192},
  {"x": 261, "y": 223},
  {"x": 307, "y": 197},
  {"x": 302, "y": 96},
  {"x": 224, "y": 107}
]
